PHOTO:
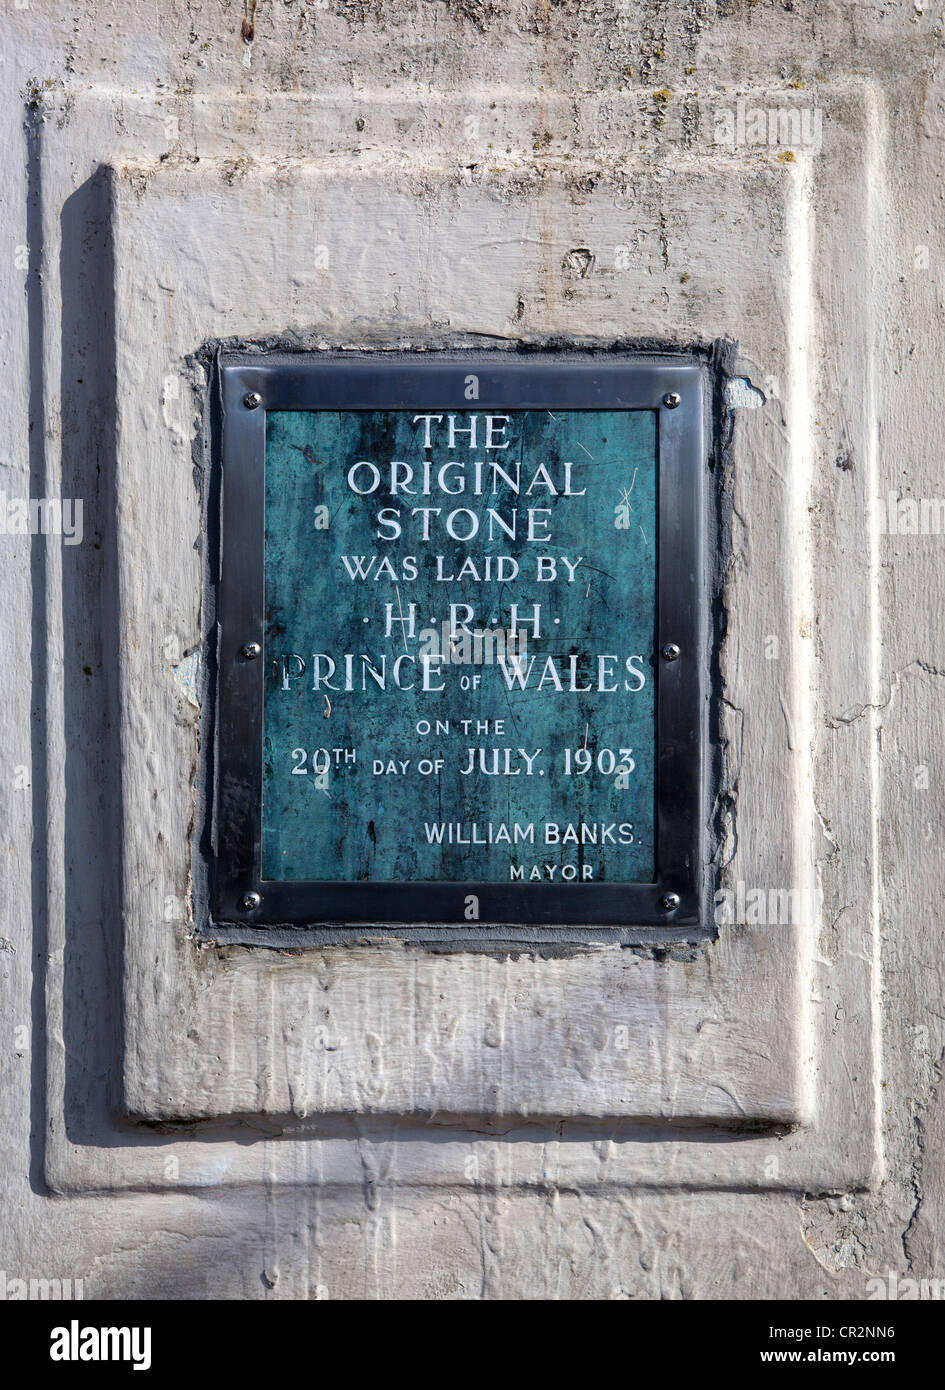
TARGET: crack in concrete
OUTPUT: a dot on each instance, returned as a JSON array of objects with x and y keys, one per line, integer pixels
[{"x": 836, "y": 721}]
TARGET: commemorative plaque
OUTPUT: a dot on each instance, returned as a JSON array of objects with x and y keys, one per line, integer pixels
[{"x": 460, "y": 604}]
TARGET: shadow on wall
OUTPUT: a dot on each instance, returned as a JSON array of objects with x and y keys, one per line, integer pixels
[
  {"x": 90, "y": 756},
  {"x": 93, "y": 861}
]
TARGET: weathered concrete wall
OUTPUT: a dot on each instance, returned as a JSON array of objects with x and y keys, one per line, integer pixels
[{"x": 181, "y": 1120}]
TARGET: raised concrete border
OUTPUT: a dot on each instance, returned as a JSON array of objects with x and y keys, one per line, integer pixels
[{"x": 743, "y": 1034}]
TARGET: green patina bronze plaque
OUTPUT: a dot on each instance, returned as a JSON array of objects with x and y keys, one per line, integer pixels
[{"x": 460, "y": 637}]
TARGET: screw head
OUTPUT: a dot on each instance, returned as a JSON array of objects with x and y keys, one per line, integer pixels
[
  {"x": 671, "y": 400},
  {"x": 670, "y": 651},
  {"x": 251, "y": 650},
  {"x": 252, "y": 400},
  {"x": 251, "y": 901},
  {"x": 669, "y": 902}
]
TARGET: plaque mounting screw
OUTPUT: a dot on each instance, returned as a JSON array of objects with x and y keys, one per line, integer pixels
[
  {"x": 670, "y": 651},
  {"x": 252, "y": 400},
  {"x": 251, "y": 901},
  {"x": 668, "y": 902},
  {"x": 670, "y": 400},
  {"x": 251, "y": 650}
]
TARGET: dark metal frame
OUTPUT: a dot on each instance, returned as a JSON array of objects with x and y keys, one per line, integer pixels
[{"x": 437, "y": 381}]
